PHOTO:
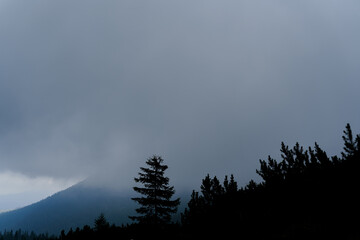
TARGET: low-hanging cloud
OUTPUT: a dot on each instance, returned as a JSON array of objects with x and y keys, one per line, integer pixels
[
  {"x": 18, "y": 190},
  {"x": 96, "y": 87}
]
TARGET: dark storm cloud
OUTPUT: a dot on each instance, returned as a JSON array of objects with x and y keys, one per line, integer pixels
[{"x": 89, "y": 86}]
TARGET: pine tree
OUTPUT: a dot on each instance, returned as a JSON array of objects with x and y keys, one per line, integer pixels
[
  {"x": 211, "y": 189},
  {"x": 351, "y": 145},
  {"x": 101, "y": 224},
  {"x": 230, "y": 187},
  {"x": 156, "y": 204}
]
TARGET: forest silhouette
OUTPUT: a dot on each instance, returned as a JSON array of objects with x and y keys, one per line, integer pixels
[{"x": 305, "y": 195}]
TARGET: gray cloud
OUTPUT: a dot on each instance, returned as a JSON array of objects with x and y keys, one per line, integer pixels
[{"x": 90, "y": 87}]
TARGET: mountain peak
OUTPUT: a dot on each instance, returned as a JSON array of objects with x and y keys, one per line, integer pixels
[{"x": 76, "y": 206}]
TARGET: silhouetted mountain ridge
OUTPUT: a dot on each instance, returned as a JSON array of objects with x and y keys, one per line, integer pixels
[{"x": 76, "y": 206}]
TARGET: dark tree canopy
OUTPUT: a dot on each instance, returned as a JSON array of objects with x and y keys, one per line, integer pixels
[
  {"x": 305, "y": 195},
  {"x": 156, "y": 204}
]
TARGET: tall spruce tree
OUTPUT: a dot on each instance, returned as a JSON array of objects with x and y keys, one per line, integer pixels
[{"x": 156, "y": 204}]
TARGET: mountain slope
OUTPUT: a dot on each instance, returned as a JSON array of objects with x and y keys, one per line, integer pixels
[{"x": 74, "y": 207}]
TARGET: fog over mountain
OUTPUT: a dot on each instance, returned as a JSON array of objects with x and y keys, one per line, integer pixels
[
  {"x": 93, "y": 88},
  {"x": 74, "y": 207}
]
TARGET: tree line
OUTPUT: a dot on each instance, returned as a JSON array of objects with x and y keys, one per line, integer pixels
[
  {"x": 305, "y": 195},
  {"x": 24, "y": 235}
]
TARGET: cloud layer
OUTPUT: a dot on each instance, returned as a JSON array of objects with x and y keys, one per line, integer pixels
[
  {"x": 18, "y": 190},
  {"x": 91, "y": 87}
]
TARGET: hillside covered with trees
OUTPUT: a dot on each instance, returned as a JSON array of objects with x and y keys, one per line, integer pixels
[{"x": 305, "y": 195}]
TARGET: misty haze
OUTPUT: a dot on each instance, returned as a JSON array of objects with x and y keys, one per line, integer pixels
[{"x": 236, "y": 105}]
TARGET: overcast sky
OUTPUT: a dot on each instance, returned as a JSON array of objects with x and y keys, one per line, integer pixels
[{"x": 96, "y": 87}]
